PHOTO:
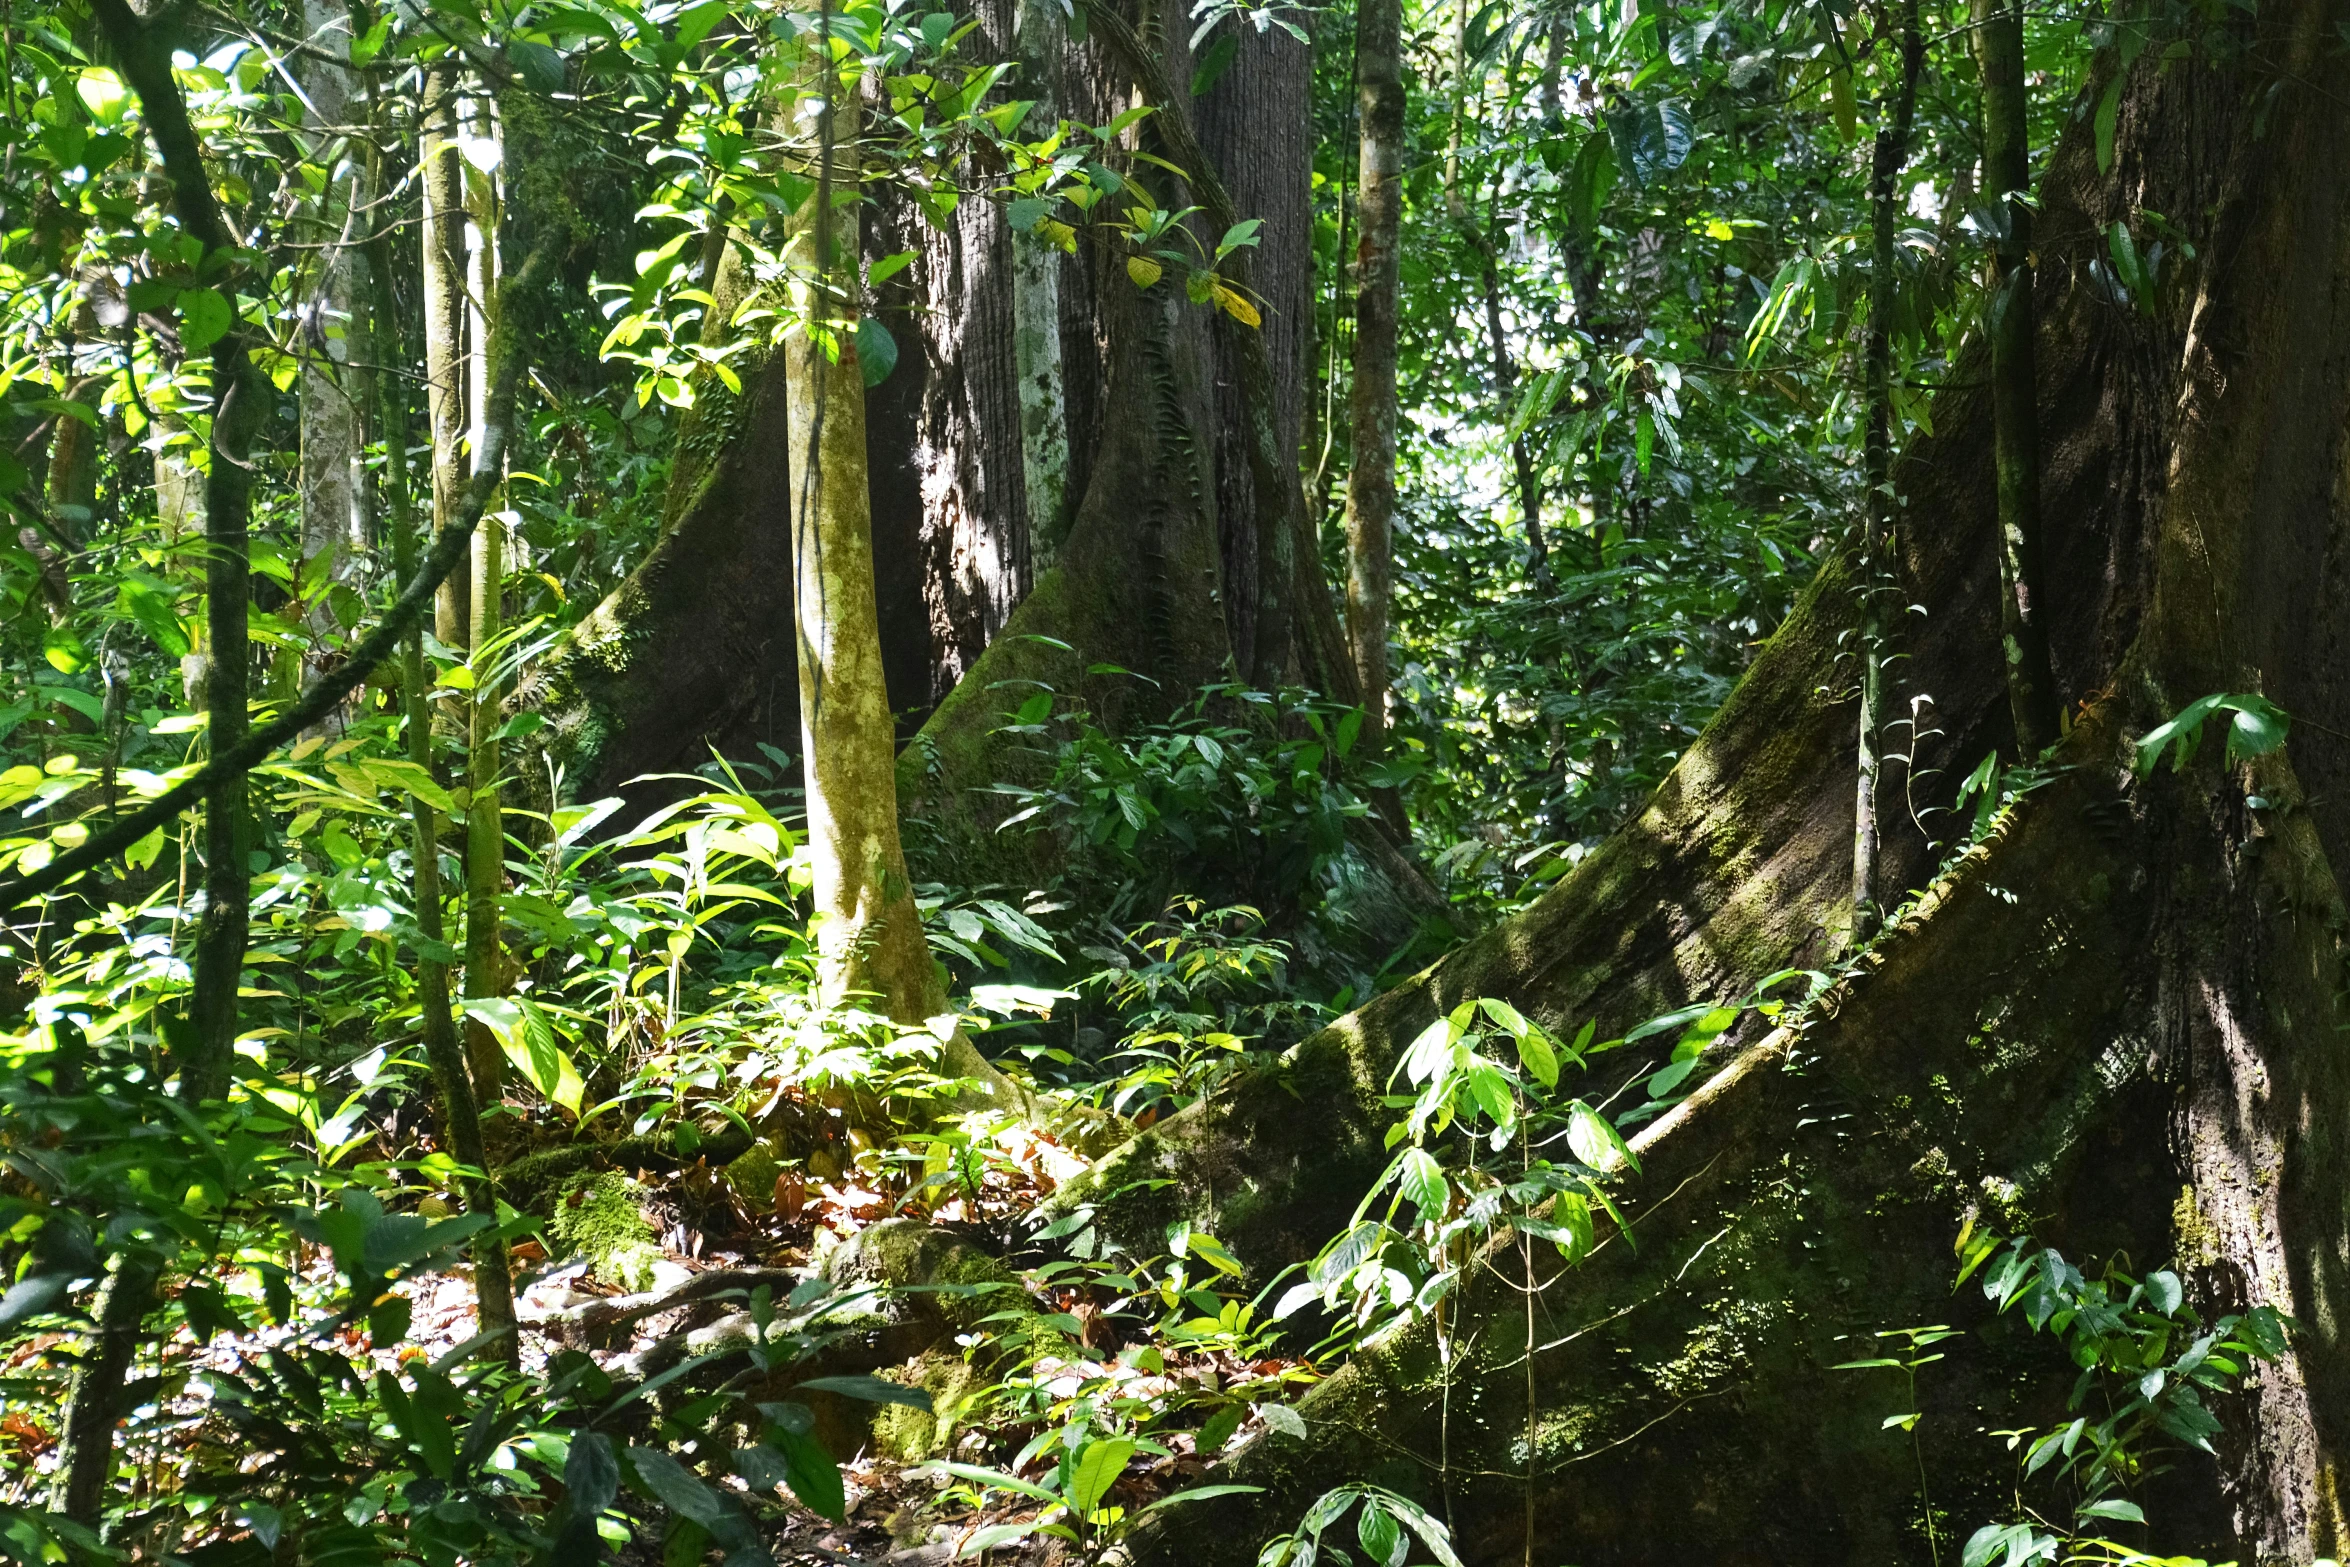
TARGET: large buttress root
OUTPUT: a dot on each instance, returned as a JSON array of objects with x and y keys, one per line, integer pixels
[{"x": 2117, "y": 1024}]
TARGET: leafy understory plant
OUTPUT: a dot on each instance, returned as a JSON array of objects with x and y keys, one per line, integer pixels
[
  {"x": 1493, "y": 1119},
  {"x": 2147, "y": 1362},
  {"x": 2256, "y": 726},
  {"x": 1075, "y": 1494},
  {"x": 1911, "y": 1358},
  {"x": 1381, "y": 1519}
]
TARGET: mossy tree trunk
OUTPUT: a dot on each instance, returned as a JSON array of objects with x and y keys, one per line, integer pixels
[
  {"x": 868, "y": 934},
  {"x": 2007, "y": 176},
  {"x": 2115, "y": 1022}
]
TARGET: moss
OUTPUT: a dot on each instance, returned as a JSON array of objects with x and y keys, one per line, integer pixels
[
  {"x": 752, "y": 1177},
  {"x": 602, "y": 1218},
  {"x": 913, "y": 1435},
  {"x": 2197, "y": 1238}
]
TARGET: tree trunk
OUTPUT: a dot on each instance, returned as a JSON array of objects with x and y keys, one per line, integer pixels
[
  {"x": 2007, "y": 174},
  {"x": 493, "y": 1284},
  {"x": 1041, "y": 36},
  {"x": 1370, "y": 477},
  {"x": 1879, "y": 589},
  {"x": 2115, "y": 1021},
  {"x": 86, "y": 1456},
  {"x": 332, "y": 484},
  {"x": 441, "y": 176},
  {"x": 868, "y": 932},
  {"x": 485, "y": 823}
]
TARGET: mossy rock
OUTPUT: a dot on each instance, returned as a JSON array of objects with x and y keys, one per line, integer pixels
[
  {"x": 752, "y": 1177},
  {"x": 914, "y": 1436},
  {"x": 601, "y": 1217}
]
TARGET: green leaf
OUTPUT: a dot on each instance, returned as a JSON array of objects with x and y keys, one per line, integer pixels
[
  {"x": 987, "y": 1539},
  {"x": 1214, "y": 63},
  {"x": 674, "y": 1486},
  {"x": 1382, "y": 1537},
  {"x": 1282, "y": 1418},
  {"x": 1098, "y": 1468},
  {"x": 873, "y": 1390},
  {"x": 540, "y": 68},
  {"x": 2112, "y": 1507},
  {"x": 65, "y": 652},
  {"x": 1201, "y": 1493},
  {"x": 810, "y": 1472},
  {"x": 205, "y": 318},
  {"x": 1424, "y": 1184},
  {"x": 2259, "y": 727},
  {"x": 877, "y": 351},
  {"x": 151, "y": 606},
  {"x": 1594, "y": 1140},
  {"x": 2108, "y": 108},
  {"x": 1225, "y": 1421},
  {"x": 591, "y": 1473},
  {"x": 993, "y": 1479}
]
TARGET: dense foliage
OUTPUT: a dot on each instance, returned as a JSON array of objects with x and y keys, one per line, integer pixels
[{"x": 1636, "y": 269}]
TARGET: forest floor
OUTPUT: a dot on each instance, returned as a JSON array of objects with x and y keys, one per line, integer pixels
[{"x": 709, "y": 1247}]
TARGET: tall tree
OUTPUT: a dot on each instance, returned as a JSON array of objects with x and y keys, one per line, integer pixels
[
  {"x": 1875, "y": 559},
  {"x": 1040, "y": 35},
  {"x": 868, "y": 933},
  {"x": 485, "y": 825},
  {"x": 493, "y": 1287},
  {"x": 2095, "y": 1022},
  {"x": 441, "y": 177},
  {"x": 1370, "y": 482},
  {"x": 241, "y": 408},
  {"x": 2007, "y": 179},
  {"x": 334, "y": 351}
]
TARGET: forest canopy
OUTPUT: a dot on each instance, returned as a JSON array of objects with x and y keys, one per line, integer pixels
[{"x": 1085, "y": 781}]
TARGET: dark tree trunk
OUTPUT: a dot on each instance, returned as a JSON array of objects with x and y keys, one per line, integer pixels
[
  {"x": 2116, "y": 1021},
  {"x": 1159, "y": 573}
]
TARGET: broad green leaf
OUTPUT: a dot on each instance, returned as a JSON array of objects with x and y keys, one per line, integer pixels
[
  {"x": 1594, "y": 1139},
  {"x": 1098, "y": 1467},
  {"x": 205, "y": 318}
]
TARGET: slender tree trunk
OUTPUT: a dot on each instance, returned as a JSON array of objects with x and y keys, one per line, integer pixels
[
  {"x": 869, "y": 934},
  {"x": 2007, "y": 177},
  {"x": 1879, "y": 582},
  {"x": 86, "y": 1457},
  {"x": 1454, "y": 202},
  {"x": 1036, "y": 316},
  {"x": 485, "y": 827},
  {"x": 442, "y": 176},
  {"x": 493, "y": 1288},
  {"x": 1370, "y": 481},
  {"x": 1505, "y": 382},
  {"x": 332, "y": 483}
]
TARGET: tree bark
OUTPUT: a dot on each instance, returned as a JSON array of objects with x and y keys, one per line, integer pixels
[
  {"x": 1378, "y": 265},
  {"x": 2114, "y": 1022},
  {"x": 867, "y": 930},
  {"x": 1036, "y": 313},
  {"x": 332, "y": 473},
  {"x": 1160, "y": 579}
]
